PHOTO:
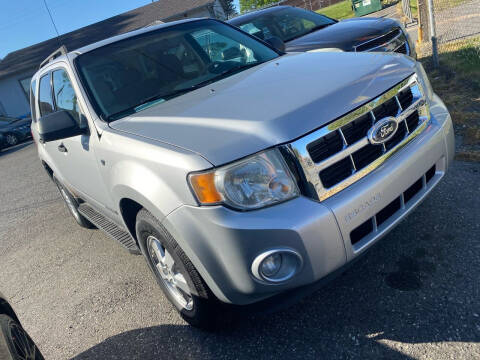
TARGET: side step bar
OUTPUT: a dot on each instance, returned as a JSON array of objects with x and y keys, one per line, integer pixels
[{"x": 112, "y": 229}]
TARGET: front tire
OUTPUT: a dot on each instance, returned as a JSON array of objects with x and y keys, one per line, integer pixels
[
  {"x": 180, "y": 281},
  {"x": 72, "y": 206},
  {"x": 15, "y": 343}
]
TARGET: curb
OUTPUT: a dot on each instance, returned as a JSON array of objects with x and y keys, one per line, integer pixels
[{"x": 472, "y": 156}]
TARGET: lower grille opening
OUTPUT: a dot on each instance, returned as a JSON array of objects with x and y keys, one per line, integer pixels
[
  {"x": 336, "y": 172},
  {"x": 430, "y": 173},
  {"x": 361, "y": 231},
  {"x": 413, "y": 190},
  {"x": 388, "y": 211}
]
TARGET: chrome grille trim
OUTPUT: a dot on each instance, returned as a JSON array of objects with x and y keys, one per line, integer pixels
[
  {"x": 399, "y": 40},
  {"x": 312, "y": 170}
]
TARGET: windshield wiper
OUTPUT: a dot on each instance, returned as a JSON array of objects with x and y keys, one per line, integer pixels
[{"x": 167, "y": 96}]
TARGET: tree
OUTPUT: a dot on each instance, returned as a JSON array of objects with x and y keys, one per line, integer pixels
[
  {"x": 228, "y": 7},
  {"x": 246, "y": 5}
]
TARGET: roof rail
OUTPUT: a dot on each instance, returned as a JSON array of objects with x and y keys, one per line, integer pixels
[{"x": 62, "y": 50}]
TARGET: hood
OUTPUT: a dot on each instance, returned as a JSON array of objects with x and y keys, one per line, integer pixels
[
  {"x": 343, "y": 35},
  {"x": 269, "y": 104}
]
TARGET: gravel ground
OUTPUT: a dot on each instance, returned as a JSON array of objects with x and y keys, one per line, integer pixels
[{"x": 80, "y": 295}]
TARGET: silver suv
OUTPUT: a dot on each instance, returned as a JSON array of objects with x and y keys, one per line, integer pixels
[{"x": 238, "y": 171}]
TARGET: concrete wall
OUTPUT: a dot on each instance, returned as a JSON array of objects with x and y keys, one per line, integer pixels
[{"x": 12, "y": 96}]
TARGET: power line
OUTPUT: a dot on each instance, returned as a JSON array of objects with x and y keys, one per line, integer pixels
[{"x": 53, "y": 22}]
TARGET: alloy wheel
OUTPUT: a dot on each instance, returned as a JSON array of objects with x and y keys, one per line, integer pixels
[{"x": 168, "y": 271}]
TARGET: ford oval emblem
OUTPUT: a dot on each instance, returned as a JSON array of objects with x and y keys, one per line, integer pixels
[{"x": 382, "y": 131}]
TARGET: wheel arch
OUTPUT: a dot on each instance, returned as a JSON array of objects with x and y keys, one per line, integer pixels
[{"x": 6, "y": 309}]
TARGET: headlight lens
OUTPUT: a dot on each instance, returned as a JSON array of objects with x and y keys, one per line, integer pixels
[{"x": 257, "y": 181}]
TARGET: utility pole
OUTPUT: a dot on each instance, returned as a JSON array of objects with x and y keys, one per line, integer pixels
[
  {"x": 433, "y": 35},
  {"x": 422, "y": 20}
]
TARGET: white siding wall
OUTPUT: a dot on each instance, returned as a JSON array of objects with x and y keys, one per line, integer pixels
[{"x": 12, "y": 97}]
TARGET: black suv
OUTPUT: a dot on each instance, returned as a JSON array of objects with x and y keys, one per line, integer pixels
[{"x": 302, "y": 30}]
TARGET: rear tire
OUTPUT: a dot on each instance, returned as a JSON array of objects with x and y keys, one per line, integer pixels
[
  {"x": 72, "y": 206},
  {"x": 196, "y": 303},
  {"x": 15, "y": 343}
]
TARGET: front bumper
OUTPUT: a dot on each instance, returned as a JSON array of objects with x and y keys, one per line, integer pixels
[{"x": 222, "y": 243}]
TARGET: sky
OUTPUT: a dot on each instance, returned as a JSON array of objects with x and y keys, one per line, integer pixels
[{"x": 26, "y": 22}]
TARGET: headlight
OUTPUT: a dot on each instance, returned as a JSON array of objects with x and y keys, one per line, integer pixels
[{"x": 251, "y": 183}]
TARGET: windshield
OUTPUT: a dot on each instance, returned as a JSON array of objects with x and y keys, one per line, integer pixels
[
  {"x": 132, "y": 74},
  {"x": 287, "y": 24}
]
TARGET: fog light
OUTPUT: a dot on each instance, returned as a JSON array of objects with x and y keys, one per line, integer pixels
[
  {"x": 276, "y": 265},
  {"x": 271, "y": 265}
]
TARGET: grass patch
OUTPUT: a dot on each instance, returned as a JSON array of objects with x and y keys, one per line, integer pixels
[
  {"x": 414, "y": 8},
  {"x": 457, "y": 82},
  {"x": 341, "y": 10}
]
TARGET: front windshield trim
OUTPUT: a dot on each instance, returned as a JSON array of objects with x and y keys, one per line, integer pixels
[{"x": 94, "y": 103}]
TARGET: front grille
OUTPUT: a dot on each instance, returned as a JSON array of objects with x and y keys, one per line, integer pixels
[
  {"x": 375, "y": 222},
  {"x": 395, "y": 40},
  {"x": 325, "y": 147},
  {"x": 402, "y": 49},
  {"x": 340, "y": 153}
]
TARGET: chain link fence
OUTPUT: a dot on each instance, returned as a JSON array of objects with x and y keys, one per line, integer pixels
[{"x": 447, "y": 25}]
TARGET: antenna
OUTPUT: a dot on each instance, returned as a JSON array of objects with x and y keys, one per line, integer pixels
[{"x": 53, "y": 22}]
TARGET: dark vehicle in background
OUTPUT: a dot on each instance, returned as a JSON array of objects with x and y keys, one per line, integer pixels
[
  {"x": 14, "y": 130},
  {"x": 15, "y": 343},
  {"x": 302, "y": 30}
]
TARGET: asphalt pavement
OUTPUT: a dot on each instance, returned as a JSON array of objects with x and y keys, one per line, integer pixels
[{"x": 81, "y": 296}]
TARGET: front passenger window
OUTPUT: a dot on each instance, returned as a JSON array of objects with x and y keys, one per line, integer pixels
[{"x": 65, "y": 97}]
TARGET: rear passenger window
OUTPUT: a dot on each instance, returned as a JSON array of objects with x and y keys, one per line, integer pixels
[
  {"x": 45, "y": 96},
  {"x": 65, "y": 98},
  {"x": 33, "y": 100}
]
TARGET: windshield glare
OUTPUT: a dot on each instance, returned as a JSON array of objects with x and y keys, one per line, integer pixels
[
  {"x": 124, "y": 76},
  {"x": 287, "y": 24}
]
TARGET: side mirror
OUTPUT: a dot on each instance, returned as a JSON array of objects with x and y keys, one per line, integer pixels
[
  {"x": 276, "y": 43},
  {"x": 58, "y": 125}
]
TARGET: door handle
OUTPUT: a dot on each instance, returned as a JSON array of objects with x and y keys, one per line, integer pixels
[{"x": 62, "y": 148}]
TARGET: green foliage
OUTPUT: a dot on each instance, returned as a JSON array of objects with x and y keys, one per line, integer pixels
[
  {"x": 228, "y": 7},
  {"x": 246, "y": 5},
  {"x": 341, "y": 10}
]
